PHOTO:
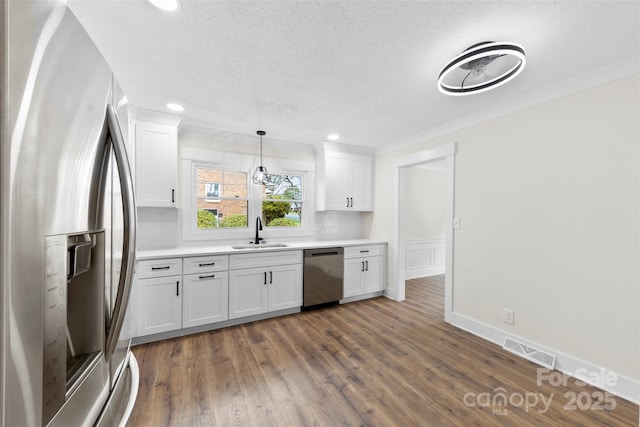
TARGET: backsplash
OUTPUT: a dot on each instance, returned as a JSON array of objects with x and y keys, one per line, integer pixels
[
  {"x": 160, "y": 228},
  {"x": 333, "y": 225}
]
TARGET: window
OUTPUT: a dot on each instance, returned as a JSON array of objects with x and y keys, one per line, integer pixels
[
  {"x": 221, "y": 198},
  {"x": 220, "y": 203},
  {"x": 282, "y": 199}
]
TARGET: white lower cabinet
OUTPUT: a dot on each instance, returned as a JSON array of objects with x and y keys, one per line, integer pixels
[
  {"x": 265, "y": 286},
  {"x": 159, "y": 305},
  {"x": 158, "y": 295},
  {"x": 353, "y": 283},
  {"x": 168, "y": 301},
  {"x": 205, "y": 298},
  {"x": 372, "y": 277},
  {"x": 206, "y": 290},
  {"x": 285, "y": 287},
  {"x": 175, "y": 293},
  {"x": 363, "y": 270},
  {"x": 247, "y": 292}
]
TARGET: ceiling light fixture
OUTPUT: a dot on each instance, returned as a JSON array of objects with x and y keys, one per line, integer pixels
[
  {"x": 260, "y": 176},
  {"x": 175, "y": 107},
  {"x": 168, "y": 5},
  {"x": 333, "y": 137},
  {"x": 481, "y": 67}
]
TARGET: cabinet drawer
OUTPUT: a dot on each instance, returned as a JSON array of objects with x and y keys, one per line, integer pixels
[
  {"x": 203, "y": 264},
  {"x": 266, "y": 259},
  {"x": 159, "y": 268},
  {"x": 363, "y": 251}
]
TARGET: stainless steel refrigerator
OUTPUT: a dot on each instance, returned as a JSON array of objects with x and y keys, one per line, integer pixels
[{"x": 67, "y": 222}]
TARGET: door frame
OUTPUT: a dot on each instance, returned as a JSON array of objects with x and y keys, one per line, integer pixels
[{"x": 400, "y": 165}]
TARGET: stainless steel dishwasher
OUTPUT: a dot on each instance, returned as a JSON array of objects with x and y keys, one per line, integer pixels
[{"x": 323, "y": 272}]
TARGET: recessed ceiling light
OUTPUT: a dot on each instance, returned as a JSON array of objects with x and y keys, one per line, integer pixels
[
  {"x": 333, "y": 137},
  {"x": 175, "y": 107},
  {"x": 169, "y": 5}
]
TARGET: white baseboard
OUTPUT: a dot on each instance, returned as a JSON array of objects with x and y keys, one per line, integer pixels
[{"x": 624, "y": 387}]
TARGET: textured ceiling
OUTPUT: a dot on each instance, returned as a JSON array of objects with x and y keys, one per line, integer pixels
[{"x": 366, "y": 70}]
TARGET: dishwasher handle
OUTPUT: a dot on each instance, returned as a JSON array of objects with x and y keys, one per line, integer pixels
[{"x": 323, "y": 252}]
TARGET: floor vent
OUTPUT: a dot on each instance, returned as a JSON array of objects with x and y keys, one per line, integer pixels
[{"x": 533, "y": 354}]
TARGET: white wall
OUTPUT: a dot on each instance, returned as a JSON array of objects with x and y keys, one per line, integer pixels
[
  {"x": 424, "y": 215},
  {"x": 549, "y": 204}
]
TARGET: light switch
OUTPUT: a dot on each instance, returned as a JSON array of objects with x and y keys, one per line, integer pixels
[{"x": 456, "y": 222}]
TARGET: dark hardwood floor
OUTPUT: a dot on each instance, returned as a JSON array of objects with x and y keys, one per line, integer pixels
[{"x": 369, "y": 363}]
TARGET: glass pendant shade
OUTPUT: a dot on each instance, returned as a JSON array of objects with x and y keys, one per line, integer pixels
[{"x": 260, "y": 176}]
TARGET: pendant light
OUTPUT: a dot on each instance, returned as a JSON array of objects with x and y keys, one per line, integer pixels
[
  {"x": 481, "y": 67},
  {"x": 260, "y": 176}
]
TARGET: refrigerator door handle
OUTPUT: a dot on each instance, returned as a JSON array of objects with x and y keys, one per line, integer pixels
[{"x": 129, "y": 235}]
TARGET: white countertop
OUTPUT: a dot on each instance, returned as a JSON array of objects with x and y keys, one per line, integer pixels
[{"x": 223, "y": 250}]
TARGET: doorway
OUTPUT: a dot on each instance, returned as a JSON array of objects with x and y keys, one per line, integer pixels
[{"x": 443, "y": 156}]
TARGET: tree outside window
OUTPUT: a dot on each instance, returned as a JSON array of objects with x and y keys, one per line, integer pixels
[{"x": 282, "y": 201}]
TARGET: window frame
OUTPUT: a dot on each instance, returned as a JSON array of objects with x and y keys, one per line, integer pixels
[
  {"x": 303, "y": 199},
  {"x": 192, "y": 158},
  {"x": 220, "y": 198}
]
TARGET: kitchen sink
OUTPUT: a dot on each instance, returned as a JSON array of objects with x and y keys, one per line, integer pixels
[{"x": 259, "y": 246}]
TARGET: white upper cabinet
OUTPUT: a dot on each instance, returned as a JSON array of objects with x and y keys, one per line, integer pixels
[
  {"x": 336, "y": 177},
  {"x": 156, "y": 164},
  {"x": 346, "y": 181},
  {"x": 360, "y": 181}
]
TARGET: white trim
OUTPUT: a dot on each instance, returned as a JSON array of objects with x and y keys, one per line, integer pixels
[
  {"x": 625, "y": 387},
  {"x": 153, "y": 116},
  {"x": 414, "y": 159},
  {"x": 337, "y": 147},
  {"x": 449, "y": 242},
  {"x": 396, "y": 289},
  {"x": 228, "y": 160},
  {"x": 571, "y": 85}
]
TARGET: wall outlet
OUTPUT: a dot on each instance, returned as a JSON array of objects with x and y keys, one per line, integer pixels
[
  {"x": 456, "y": 222},
  {"x": 507, "y": 316}
]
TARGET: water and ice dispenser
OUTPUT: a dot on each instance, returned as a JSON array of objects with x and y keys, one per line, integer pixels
[{"x": 74, "y": 316}]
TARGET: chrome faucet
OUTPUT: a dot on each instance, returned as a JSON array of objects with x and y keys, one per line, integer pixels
[{"x": 258, "y": 228}]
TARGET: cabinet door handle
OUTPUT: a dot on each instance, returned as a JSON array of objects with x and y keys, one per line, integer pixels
[
  {"x": 211, "y": 276},
  {"x": 265, "y": 277},
  {"x": 206, "y": 264},
  {"x": 347, "y": 202},
  {"x": 173, "y": 195},
  {"x": 178, "y": 288},
  {"x": 271, "y": 277},
  {"x": 166, "y": 267},
  {"x": 364, "y": 252},
  {"x": 367, "y": 263},
  {"x": 362, "y": 266},
  {"x": 351, "y": 199}
]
